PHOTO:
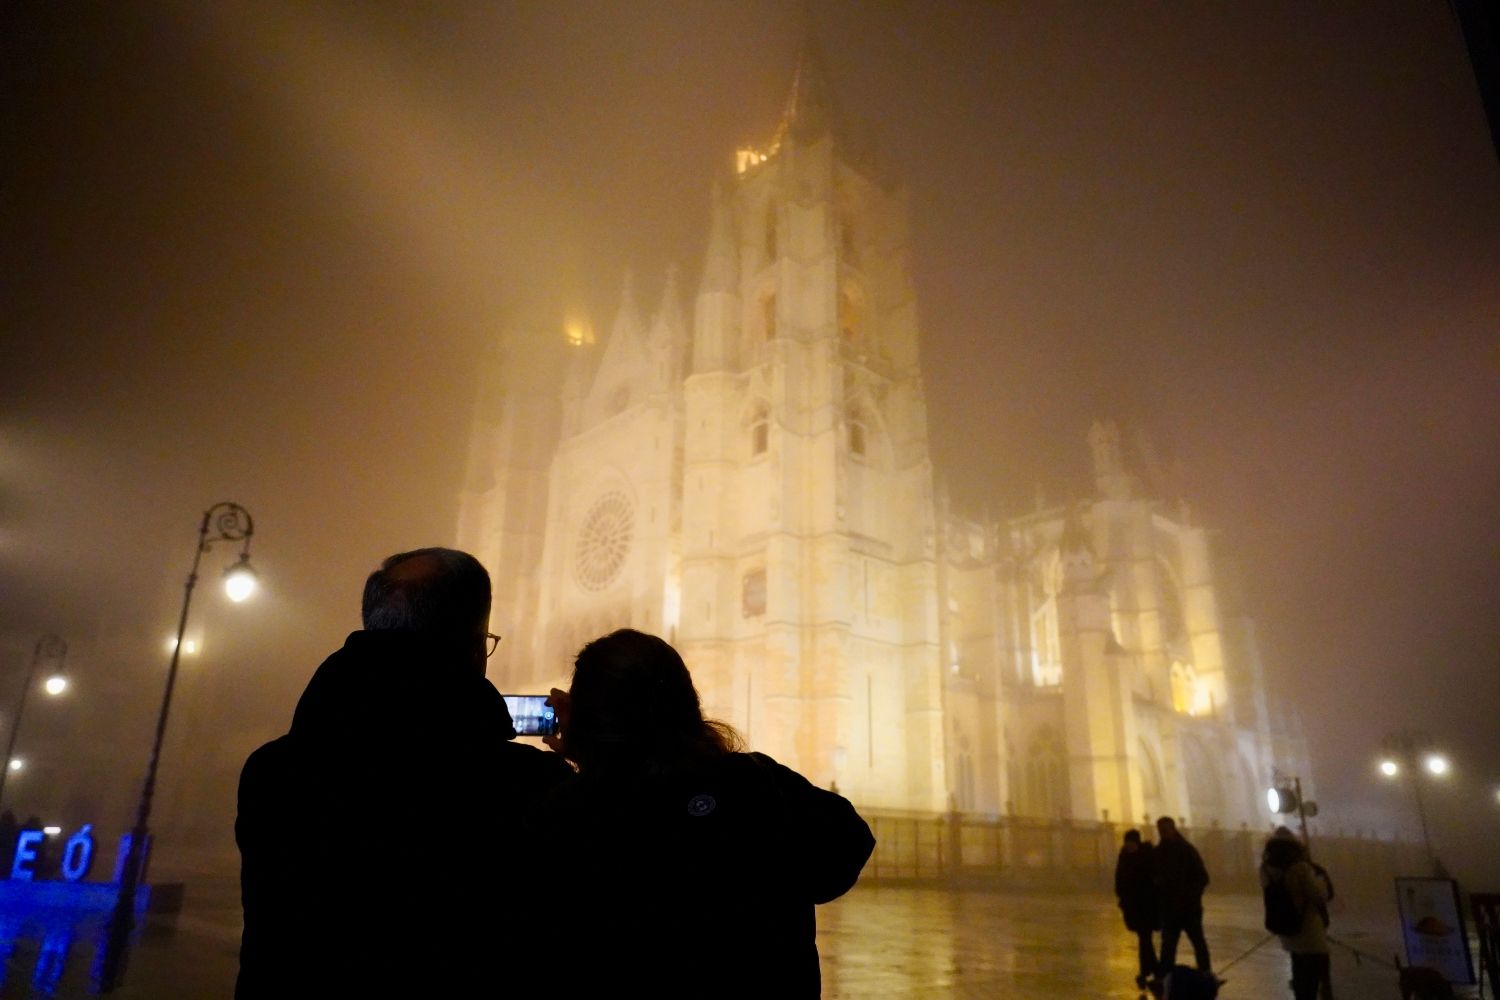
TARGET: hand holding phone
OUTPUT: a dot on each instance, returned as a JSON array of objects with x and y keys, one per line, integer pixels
[{"x": 531, "y": 715}]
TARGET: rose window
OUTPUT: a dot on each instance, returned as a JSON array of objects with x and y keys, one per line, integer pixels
[{"x": 604, "y": 541}]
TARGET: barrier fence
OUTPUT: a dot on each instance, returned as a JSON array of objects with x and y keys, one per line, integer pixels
[{"x": 1013, "y": 851}]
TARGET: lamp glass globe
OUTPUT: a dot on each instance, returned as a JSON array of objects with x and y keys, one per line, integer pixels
[
  {"x": 55, "y": 685},
  {"x": 239, "y": 583}
]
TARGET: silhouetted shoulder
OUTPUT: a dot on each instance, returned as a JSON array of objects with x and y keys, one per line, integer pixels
[{"x": 829, "y": 842}]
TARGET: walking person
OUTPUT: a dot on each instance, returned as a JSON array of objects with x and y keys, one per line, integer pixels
[
  {"x": 1137, "y": 898},
  {"x": 1296, "y": 912},
  {"x": 1180, "y": 878}
]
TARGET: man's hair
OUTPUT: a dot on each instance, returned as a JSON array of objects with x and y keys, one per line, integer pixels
[
  {"x": 439, "y": 591},
  {"x": 1166, "y": 823},
  {"x": 1132, "y": 836}
]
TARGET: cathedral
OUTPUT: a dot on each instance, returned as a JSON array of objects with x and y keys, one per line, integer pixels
[{"x": 751, "y": 480}]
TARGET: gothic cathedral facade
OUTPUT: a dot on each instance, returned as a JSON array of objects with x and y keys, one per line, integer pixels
[{"x": 753, "y": 483}]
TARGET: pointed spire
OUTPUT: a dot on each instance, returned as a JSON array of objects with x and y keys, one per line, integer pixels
[
  {"x": 669, "y": 320},
  {"x": 669, "y": 334},
  {"x": 810, "y": 111},
  {"x": 721, "y": 262},
  {"x": 627, "y": 293},
  {"x": 628, "y": 324}
]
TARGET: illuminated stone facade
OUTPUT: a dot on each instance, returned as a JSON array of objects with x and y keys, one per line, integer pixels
[{"x": 754, "y": 484}]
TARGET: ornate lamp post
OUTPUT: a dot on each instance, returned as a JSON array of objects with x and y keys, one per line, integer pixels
[
  {"x": 223, "y": 522},
  {"x": 1412, "y": 751},
  {"x": 48, "y": 647}
]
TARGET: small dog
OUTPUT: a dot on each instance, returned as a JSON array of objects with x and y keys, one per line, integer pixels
[
  {"x": 1418, "y": 982},
  {"x": 1184, "y": 983}
]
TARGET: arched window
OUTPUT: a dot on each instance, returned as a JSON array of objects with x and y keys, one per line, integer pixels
[
  {"x": 768, "y": 315},
  {"x": 851, "y": 313},
  {"x": 760, "y": 429},
  {"x": 1173, "y": 625},
  {"x": 859, "y": 433},
  {"x": 753, "y": 593},
  {"x": 848, "y": 248},
  {"x": 1184, "y": 680},
  {"x": 770, "y": 231}
]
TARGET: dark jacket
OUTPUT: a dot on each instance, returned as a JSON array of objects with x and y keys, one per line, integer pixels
[
  {"x": 699, "y": 883},
  {"x": 1180, "y": 877},
  {"x": 1134, "y": 889},
  {"x": 381, "y": 836}
]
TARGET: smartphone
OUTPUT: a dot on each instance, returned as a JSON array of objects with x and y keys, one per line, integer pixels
[{"x": 531, "y": 714}]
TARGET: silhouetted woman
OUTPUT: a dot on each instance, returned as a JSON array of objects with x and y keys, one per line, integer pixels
[
  {"x": 1285, "y": 865},
  {"x": 683, "y": 866}
]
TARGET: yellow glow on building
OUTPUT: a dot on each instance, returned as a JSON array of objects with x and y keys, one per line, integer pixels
[
  {"x": 745, "y": 158},
  {"x": 577, "y": 329}
]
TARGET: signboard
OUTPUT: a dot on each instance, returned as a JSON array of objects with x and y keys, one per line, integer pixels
[
  {"x": 1432, "y": 925},
  {"x": 45, "y": 897}
]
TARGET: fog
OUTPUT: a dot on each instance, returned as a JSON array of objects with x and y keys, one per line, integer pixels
[{"x": 254, "y": 252}]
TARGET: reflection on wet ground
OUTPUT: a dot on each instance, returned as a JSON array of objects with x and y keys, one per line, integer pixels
[
  {"x": 876, "y": 942},
  {"x": 909, "y": 942}
]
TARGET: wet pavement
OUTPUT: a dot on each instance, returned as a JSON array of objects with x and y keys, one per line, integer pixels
[
  {"x": 877, "y": 942},
  {"x": 882, "y": 942}
]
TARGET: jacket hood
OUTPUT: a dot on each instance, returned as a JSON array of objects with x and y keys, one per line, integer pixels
[{"x": 390, "y": 680}]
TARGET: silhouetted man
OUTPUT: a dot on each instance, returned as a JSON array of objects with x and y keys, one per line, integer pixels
[
  {"x": 381, "y": 837},
  {"x": 1180, "y": 878}
]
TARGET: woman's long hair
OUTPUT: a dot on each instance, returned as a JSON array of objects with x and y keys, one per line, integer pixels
[{"x": 633, "y": 707}]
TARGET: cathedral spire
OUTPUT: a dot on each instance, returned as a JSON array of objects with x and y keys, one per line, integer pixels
[
  {"x": 810, "y": 112},
  {"x": 669, "y": 333},
  {"x": 628, "y": 323},
  {"x": 669, "y": 319},
  {"x": 721, "y": 263}
]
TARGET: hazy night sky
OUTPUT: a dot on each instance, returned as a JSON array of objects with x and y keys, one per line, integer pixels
[{"x": 253, "y": 251}]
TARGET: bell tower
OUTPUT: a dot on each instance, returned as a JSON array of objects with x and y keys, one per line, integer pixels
[{"x": 808, "y": 606}]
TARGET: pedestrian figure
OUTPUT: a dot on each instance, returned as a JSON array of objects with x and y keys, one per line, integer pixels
[
  {"x": 1137, "y": 898},
  {"x": 681, "y": 866},
  {"x": 1296, "y": 912},
  {"x": 1180, "y": 879}
]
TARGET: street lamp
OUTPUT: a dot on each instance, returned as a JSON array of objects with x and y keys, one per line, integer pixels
[
  {"x": 223, "y": 522},
  {"x": 48, "y": 648},
  {"x": 1403, "y": 751}
]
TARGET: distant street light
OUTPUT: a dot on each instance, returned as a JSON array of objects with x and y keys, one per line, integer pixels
[
  {"x": 1403, "y": 751},
  {"x": 223, "y": 522},
  {"x": 49, "y": 648}
]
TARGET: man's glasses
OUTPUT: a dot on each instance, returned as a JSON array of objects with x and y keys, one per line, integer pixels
[{"x": 492, "y": 643}]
